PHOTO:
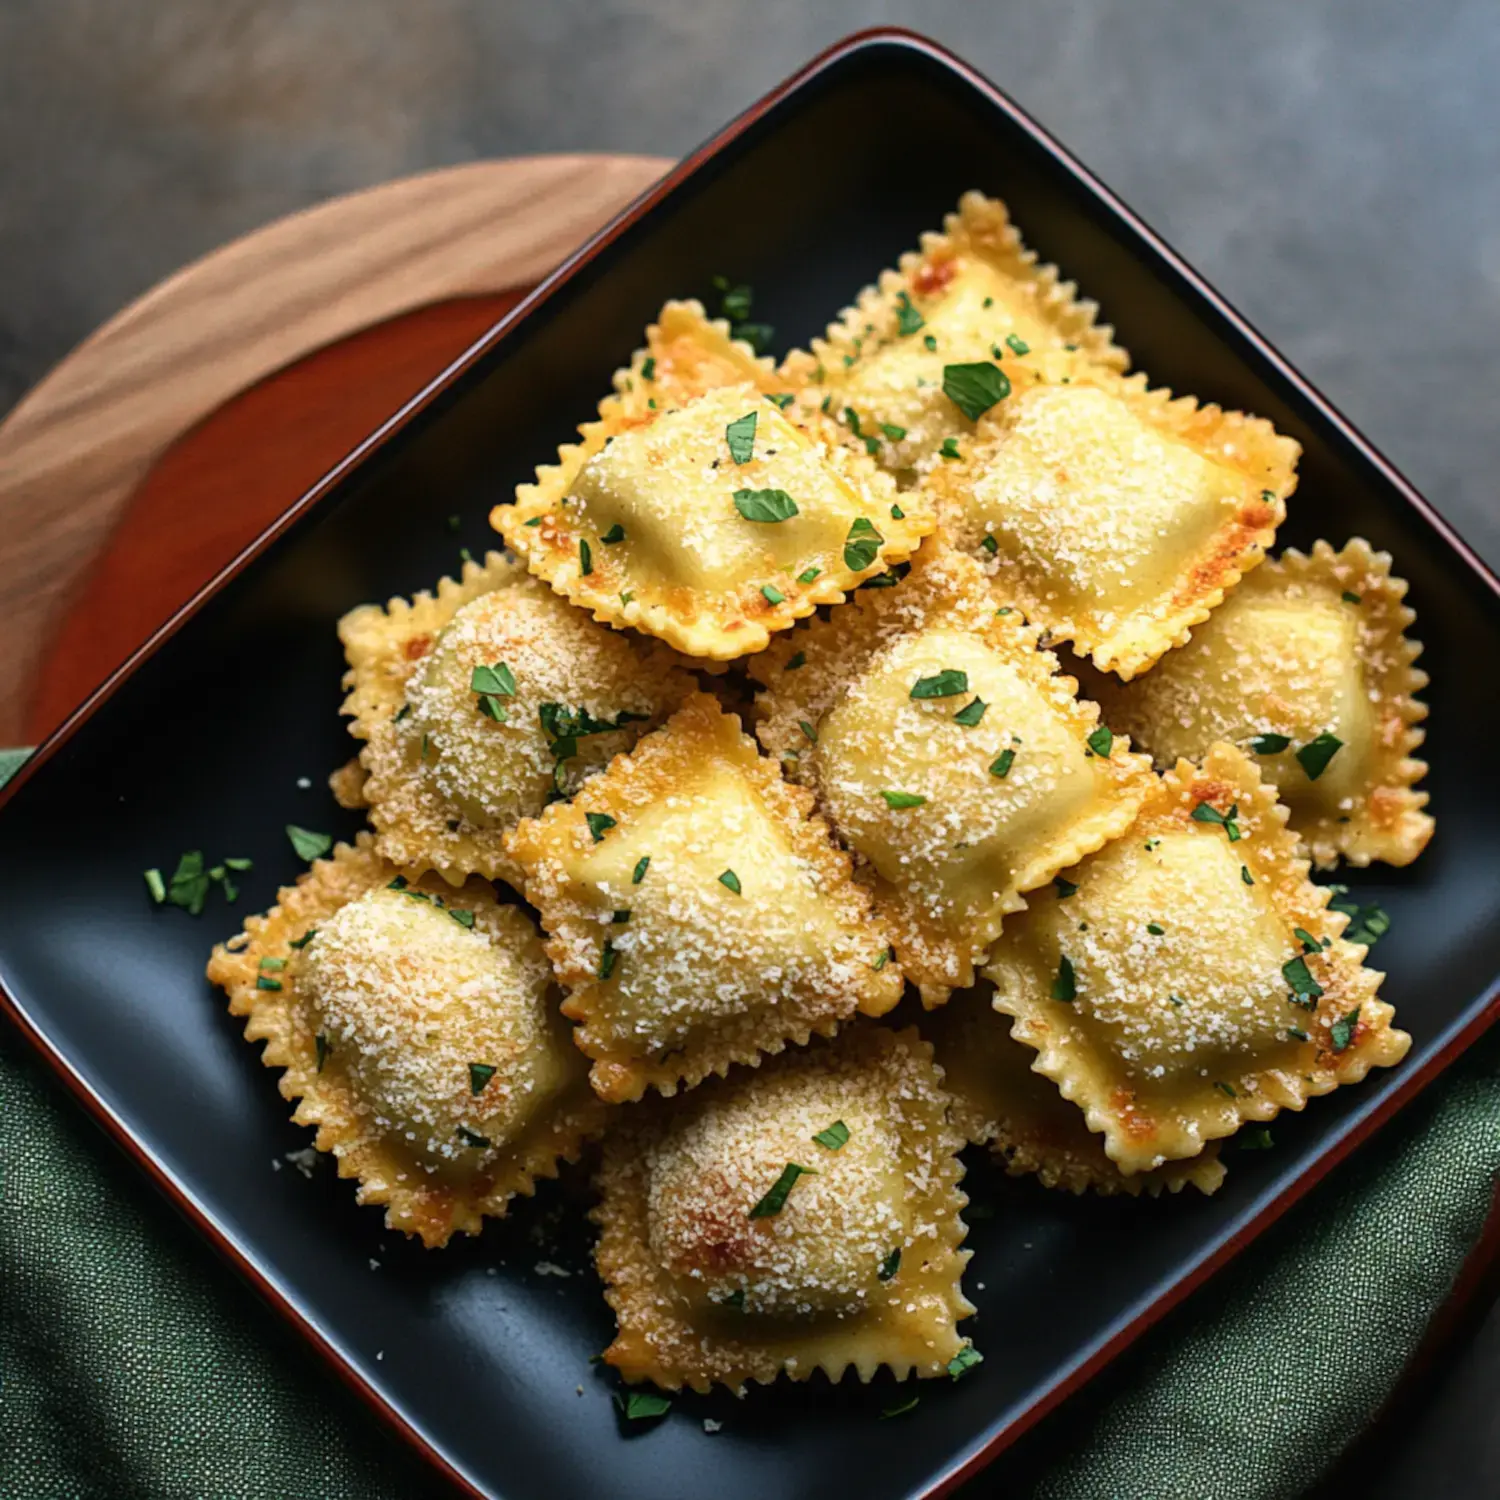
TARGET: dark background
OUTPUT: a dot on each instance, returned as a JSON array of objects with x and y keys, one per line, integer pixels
[{"x": 1333, "y": 168}]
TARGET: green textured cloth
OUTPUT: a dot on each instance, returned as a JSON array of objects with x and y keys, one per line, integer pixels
[{"x": 133, "y": 1367}]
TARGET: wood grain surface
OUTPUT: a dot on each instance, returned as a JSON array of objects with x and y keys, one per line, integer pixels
[{"x": 75, "y": 452}]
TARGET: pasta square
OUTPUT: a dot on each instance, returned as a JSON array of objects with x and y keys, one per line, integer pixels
[
  {"x": 800, "y": 1217},
  {"x": 699, "y": 913},
  {"x": 949, "y": 754},
  {"x": 1308, "y": 667},
  {"x": 1191, "y": 977},
  {"x": 999, "y": 1101},
  {"x": 713, "y": 512},
  {"x": 971, "y": 294},
  {"x": 416, "y": 1025},
  {"x": 481, "y": 703},
  {"x": 1113, "y": 514}
]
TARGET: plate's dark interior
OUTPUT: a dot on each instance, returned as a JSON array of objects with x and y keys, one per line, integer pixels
[{"x": 204, "y": 745}]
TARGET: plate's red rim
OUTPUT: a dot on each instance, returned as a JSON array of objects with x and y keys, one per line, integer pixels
[{"x": 204, "y": 1222}]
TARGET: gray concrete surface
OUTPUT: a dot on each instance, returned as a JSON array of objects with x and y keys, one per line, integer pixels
[{"x": 1334, "y": 167}]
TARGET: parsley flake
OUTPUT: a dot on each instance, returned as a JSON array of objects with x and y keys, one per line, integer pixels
[
  {"x": 793, "y": 662},
  {"x": 1254, "y": 1138},
  {"x": 903, "y": 799},
  {"x": 1341, "y": 1033},
  {"x": 1102, "y": 741},
  {"x": 862, "y": 545},
  {"x": 892, "y": 431},
  {"x": 607, "y": 959},
  {"x": 648, "y": 369},
  {"x": 156, "y": 885},
  {"x": 1349, "y": 597},
  {"x": 616, "y": 533},
  {"x": 305, "y": 939},
  {"x": 585, "y": 559},
  {"x": 1065, "y": 888},
  {"x": 1310, "y": 944},
  {"x": 731, "y": 882},
  {"x": 1065, "y": 986},
  {"x": 971, "y": 713},
  {"x": 642, "y": 865},
  {"x": 263, "y": 983},
  {"x": 775, "y": 1200},
  {"x": 1246, "y": 876},
  {"x": 642, "y": 1406},
  {"x": 1269, "y": 744},
  {"x": 462, "y": 916},
  {"x": 1314, "y": 756},
  {"x": 964, "y": 1361},
  {"x": 479, "y": 1075},
  {"x": 1206, "y": 812},
  {"x": 897, "y": 514},
  {"x": 740, "y": 435},
  {"x": 950, "y": 448},
  {"x": 781, "y": 399},
  {"x": 945, "y": 684},
  {"x": 808, "y": 574},
  {"x": 1297, "y": 1034},
  {"x": 834, "y": 1137},
  {"x": 890, "y": 1265},
  {"x": 991, "y": 546},
  {"x": 766, "y": 506},
  {"x": 497, "y": 679},
  {"x": 908, "y": 319},
  {"x": 1299, "y": 977},
  {"x": 1367, "y": 924},
  {"x": 772, "y": 594},
  {"x": 1002, "y": 763},
  {"x": 1155, "y": 929},
  {"x": 324, "y": 1047},
  {"x": 1017, "y": 344},
  {"x": 308, "y": 845},
  {"x": 599, "y": 824},
  {"x": 900, "y": 1409},
  {"x": 930, "y": 342},
  {"x": 975, "y": 388},
  {"x": 808, "y": 730},
  {"x": 472, "y": 1138},
  {"x": 1227, "y": 1089}
]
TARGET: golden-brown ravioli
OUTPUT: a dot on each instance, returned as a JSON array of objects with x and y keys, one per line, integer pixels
[
  {"x": 971, "y": 295},
  {"x": 1190, "y": 976},
  {"x": 698, "y": 912},
  {"x": 1307, "y": 666},
  {"x": 1000, "y": 1101},
  {"x": 949, "y": 754},
  {"x": 417, "y": 1026},
  {"x": 481, "y": 703},
  {"x": 713, "y": 512},
  {"x": 802, "y": 1216},
  {"x": 1112, "y": 514}
]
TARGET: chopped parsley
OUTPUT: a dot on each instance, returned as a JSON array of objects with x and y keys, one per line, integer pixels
[
  {"x": 767, "y": 506},
  {"x": 950, "y": 448},
  {"x": 1206, "y": 812},
  {"x": 730, "y": 881},
  {"x": 1367, "y": 924},
  {"x": 272, "y": 963},
  {"x": 903, "y": 799},
  {"x": 1341, "y": 1033},
  {"x": 892, "y": 431},
  {"x": 740, "y": 435},
  {"x": 599, "y": 824},
  {"x": 929, "y": 341},
  {"x": 971, "y": 713},
  {"x": 1155, "y": 929},
  {"x": 908, "y": 319},
  {"x": 945, "y": 684},
  {"x": 772, "y": 594},
  {"x": 1297, "y": 1034},
  {"x": 585, "y": 558},
  {"x": 648, "y": 369},
  {"x": 897, "y": 514},
  {"x": 862, "y": 545},
  {"x": 808, "y": 574},
  {"x": 1102, "y": 741},
  {"x": 991, "y": 546},
  {"x": 890, "y": 1265},
  {"x": 775, "y": 1200},
  {"x": 808, "y": 730},
  {"x": 1349, "y": 597},
  {"x": 497, "y": 679},
  {"x": 616, "y": 533},
  {"x": 834, "y": 1137},
  {"x": 1310, "y": 944},
  {"x": 1002, "y": 763},
  {"x": 479, "y": 1075},
  {"x": 1269, "y": 744},
  {"x": 402, "y": 712},
  {"x": 900, "y": 1409},
  {"x": 641, "y": 866},
  {"x": 1065, "y": 888},
  {"x": 964, "y": 1361},
  {"x": 781, "y": 399},
  {"x": 620, "y": 917},
  {"x": 306, "y": 843},
  {"x": 1299, "y": 977},
  {"x": 156, "y": 885},
  {"x": 321, "y": 1042},
  {"x": 1314, "y": 756},
  {"x": 1246, "y": 876},
  {"x": 239, "y": 864},
  {"x": 975, "y": 388},
  {"x": 1065, "y": 986},
  {"x": 795, "y": 661},
  {"x": 642, "y": 1406},
  {"x": 1254, "y": 1138},
  {"x": 1227, "y": 1089},
  {"x": 607, "y": 957},
  {"x": 1016, "y": 344},
  {"x": 305, "y": 939},
  {"x": 472, "y": 1138},
  {"x": 263, "y": 983}
]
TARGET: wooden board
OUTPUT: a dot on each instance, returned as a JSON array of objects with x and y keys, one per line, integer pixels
[{"x": 214, "y": 386}]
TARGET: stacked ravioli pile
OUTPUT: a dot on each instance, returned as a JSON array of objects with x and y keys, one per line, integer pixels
[{"x": 758, "y": 725}]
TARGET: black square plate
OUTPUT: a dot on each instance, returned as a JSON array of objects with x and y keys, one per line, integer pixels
[{"x": 201, "y": 739}]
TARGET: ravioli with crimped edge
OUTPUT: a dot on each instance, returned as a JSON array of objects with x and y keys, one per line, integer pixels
[
  {"x": 417, "y": 1027},
  {"x": 1307, "y": 666},
  {"x": 1113, "y": 514},
  {"x": 480, "y": 703},
  {"x": 910, "y": 364},
  {"x": 712, "y": 512},
  {"x": 802, "y": 1216},
  {"x": 698, "y": 911},
  {"x": 946, "y": 749},
  {"x": 1193, "y": 978},
  {"x": 1000, "y": 1101}
]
